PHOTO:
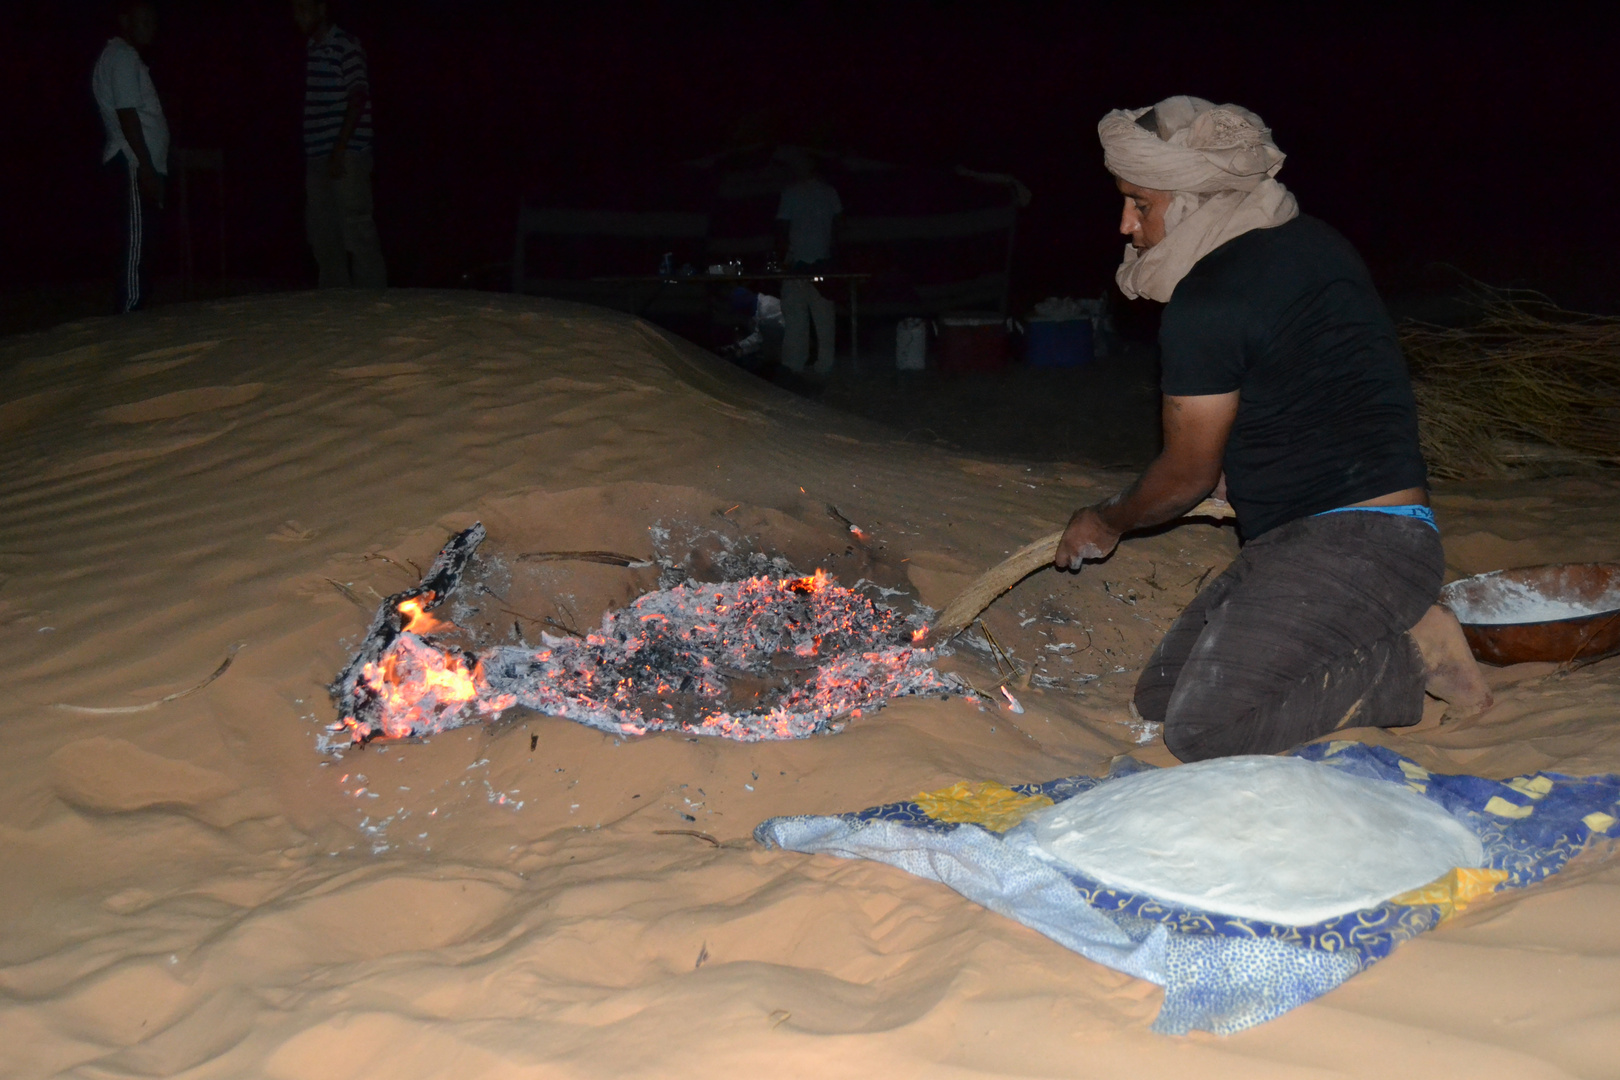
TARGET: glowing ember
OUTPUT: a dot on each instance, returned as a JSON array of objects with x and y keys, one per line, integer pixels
[
  {"x": 419, "y": 686},
  {"x": 756, "y": 659}
]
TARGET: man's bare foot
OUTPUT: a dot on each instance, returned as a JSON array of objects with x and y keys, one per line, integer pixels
[{"x": 1451, "y": 672}]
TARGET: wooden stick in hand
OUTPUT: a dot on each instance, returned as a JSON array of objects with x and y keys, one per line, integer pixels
[{"x": 971, "y": 601}]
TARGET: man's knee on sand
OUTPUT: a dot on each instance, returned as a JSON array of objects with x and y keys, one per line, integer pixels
[
  {"x": 1385, "y": 683},
  {"x": 1190, "y": 736},
  {"x": 1181, "y": 737},
  {"x": 1190, "y": 743},
  {"x": 1193, "y": 727}
]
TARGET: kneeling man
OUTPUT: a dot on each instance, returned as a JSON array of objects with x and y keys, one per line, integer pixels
[{"x": 1283, "y": 381}]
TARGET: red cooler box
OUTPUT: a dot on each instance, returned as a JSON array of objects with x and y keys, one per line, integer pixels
[{"x": 973, "y": 343}]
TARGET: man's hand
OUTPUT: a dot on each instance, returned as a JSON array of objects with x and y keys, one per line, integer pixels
[
  {"x": 1087, "y": 537},
  {"x": 351, "y": 120},
  {"x": 1187, "y": 469},
  {"x": 151, "y": 185},
  {"x": 147, "y": 179}
]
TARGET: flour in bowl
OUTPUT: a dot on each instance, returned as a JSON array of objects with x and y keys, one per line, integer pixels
[{"x": 1501, "y": 602}]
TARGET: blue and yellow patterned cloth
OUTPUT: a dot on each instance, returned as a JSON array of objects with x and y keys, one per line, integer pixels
[{"x": 1219, "y": 973}]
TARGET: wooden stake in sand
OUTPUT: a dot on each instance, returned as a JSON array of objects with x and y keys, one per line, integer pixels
[{"x": 961, "y": 612}]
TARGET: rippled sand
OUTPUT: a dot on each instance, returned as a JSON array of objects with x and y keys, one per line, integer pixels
[{"x": 188, "y": 888}]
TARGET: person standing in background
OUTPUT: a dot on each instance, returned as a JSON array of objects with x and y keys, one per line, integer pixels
[
  {"x": 136, "y": 153},
  {"x": 337, "y": 153},
  {"x": 805, "y": 219}
]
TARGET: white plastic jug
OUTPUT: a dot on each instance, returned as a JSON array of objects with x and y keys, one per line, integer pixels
[{"x": 911, "y": 345}]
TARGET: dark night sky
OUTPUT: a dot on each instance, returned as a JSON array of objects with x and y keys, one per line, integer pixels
[{"x": 1425, "y": 134}]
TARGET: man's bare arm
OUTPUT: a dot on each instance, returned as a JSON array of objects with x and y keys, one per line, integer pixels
[
  {"x": 1195, "y": 431},
  {"x": 1186, "y": 470}
]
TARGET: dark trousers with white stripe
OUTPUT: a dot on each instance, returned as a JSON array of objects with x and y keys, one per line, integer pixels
[{"x": 138, "y": 221}]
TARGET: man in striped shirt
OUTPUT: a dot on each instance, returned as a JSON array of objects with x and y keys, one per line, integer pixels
[{"x": 337, "y": 153}]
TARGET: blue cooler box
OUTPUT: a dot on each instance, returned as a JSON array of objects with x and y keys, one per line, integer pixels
[{"x": 1054, "y": 344}]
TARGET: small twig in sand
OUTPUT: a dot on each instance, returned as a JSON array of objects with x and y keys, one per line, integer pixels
[
  {"x": 703, "y": 954},
  {"x": 1574, "y": 664},
  {"x": 534, "y": 619},
  {"x": 93, "y": 710},
  {"x": 1200, "y": 579},
  {"x": 608, "y": 558},
  {"x": 687, "y": 832},
  {"x": 569, "y": 630},
  {"x": 967, "y": 682},
  {"x": 1000, "y": 654},
  {"x": 378, "y": 555},
  {"x": 346, "y": 591}
]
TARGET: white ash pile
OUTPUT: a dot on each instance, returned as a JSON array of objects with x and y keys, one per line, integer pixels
[{"x": 760, "y": 658}]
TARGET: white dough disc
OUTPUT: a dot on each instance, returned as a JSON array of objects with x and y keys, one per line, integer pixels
[{"x": 1275, "y": 838}]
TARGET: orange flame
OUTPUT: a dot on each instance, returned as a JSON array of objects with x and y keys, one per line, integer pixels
[
  {"x": 811, "y": 583},
  {"x": 418, "y": 620}
]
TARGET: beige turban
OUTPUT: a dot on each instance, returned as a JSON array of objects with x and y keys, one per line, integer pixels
[{"x": 1219, "y": 161}]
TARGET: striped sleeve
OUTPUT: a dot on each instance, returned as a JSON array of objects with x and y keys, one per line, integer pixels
[
  {"x": 352, "y": 64},
  {"x": 335, "y": 69}
]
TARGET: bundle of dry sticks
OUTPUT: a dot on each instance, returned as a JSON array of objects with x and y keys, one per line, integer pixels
[{"x": 1528, "y": 387}]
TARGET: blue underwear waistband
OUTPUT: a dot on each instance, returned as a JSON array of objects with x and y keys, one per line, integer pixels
[{"x": 1421, "y": 513}]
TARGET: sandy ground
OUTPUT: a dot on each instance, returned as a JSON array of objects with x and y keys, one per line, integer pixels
[{"x": 190, "y": 889}]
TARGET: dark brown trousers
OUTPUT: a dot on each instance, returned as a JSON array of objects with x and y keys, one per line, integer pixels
[{"x": 1305, "y": 633}]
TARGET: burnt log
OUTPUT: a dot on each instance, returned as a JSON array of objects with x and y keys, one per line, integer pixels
[{"x": 359, "y": 705}]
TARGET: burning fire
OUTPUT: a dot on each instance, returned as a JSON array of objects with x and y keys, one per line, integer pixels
[
  {"x": 760, "y": 658},
  {"x": 418, "y": 620},
  {"x": 417, "y": 682},
  {"x": 813, "y": 583}
]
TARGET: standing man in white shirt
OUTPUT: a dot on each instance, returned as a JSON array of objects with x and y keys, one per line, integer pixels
[
  {"x": 805, "y": 217},
  {"x": 136, "y": 152}
]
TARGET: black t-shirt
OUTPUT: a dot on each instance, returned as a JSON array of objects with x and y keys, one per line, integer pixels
[{"x": 1289, "y": 318}]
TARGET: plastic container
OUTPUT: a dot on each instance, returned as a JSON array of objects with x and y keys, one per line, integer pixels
[
  {"x": 1059, "y": 343},
  {"x": 911, "y": 345},
  {"x": 973, "y": 343}
]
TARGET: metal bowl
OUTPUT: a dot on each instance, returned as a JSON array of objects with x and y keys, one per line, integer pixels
[{"x": 1487, "y": 604}]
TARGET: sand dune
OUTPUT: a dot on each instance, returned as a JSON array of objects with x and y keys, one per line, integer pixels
[{"x": 190, "y": 889}]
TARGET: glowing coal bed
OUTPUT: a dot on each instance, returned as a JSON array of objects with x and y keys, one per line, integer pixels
[{"x": 759, "y": 658}]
